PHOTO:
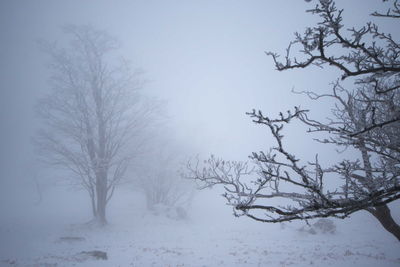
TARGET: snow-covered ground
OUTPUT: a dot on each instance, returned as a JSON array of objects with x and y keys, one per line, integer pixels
[{"x": 210, "y": 237}]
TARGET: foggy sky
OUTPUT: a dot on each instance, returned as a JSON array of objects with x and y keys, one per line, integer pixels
[{"x": 204, "y": 58}]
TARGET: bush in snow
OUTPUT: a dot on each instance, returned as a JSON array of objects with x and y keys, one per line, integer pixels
[
  {"x": 322, "y": 226},
  {"x": 176, "y": 213}
]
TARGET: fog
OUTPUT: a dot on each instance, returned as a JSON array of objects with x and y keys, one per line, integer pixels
[{"x": 204, "y": 66}]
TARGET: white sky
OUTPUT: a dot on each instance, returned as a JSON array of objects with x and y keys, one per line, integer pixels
[{"x": 205, "y": 58}]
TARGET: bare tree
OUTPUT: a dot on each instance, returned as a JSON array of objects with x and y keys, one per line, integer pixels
[
  {"x": 366, "y": 54},
  {"x": 301, "y": 190},
  {"x": 276, "y": 186},
  {"x": 162, "y": 183},
  {"x": 94, "y": 114}
]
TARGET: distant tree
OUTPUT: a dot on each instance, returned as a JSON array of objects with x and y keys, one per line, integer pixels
[
  {"x": 93, "y": 115},
  {"x": 279, "y": 187},
  {"x": 162, "y": 183}
]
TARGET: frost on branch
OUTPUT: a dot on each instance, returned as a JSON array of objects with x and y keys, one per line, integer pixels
[
  {"x": 366, "y": 118},
  {"x": 276, "y": 187},
  {"x": 366, "y": 54}
]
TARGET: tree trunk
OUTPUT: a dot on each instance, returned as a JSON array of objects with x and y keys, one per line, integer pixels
[
  {"x": 382, "y": 213},
  {"x": 93, "y": 202},
  {"x": 101, "y": 190},
  {"x": 149, "y": 202}
]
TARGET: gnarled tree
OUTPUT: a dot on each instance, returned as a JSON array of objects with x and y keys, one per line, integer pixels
[
  {"x": 279, "y": 187},
  {"x": 93, "y": 114}
]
